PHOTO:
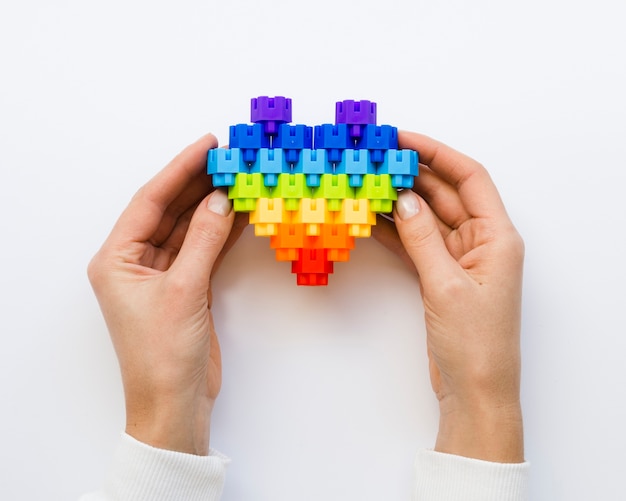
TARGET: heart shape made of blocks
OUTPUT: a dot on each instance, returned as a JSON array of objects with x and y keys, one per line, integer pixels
[{"x": 313, "y": 191}]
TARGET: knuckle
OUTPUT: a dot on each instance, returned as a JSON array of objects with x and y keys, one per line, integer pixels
[
  {"x": 513, "y": 244},
  {"x": 211, "y": 235},
  {"x": 94, "y": 271},
  {"x": 453, "y": 288}
]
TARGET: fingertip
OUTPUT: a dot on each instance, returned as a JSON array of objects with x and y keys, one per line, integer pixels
[
  {"x": 208, "y": 140},
  {"x": 407, "y": 205},
  {"x": 219, "y": 203}
]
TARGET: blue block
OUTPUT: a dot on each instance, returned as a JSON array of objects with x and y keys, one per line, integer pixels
[
  {"x": 334, "y": 139},
  {"x": 378, "y": 139},
  {"x": 355, "y": 163},
  {"x": 223, "y": 165},
  {"x": 292, "y": 139},
  {"x": 271, "y": 163},
  {"x": 402, "y": 166},
  {"x": 249, "y": 138},
  {"x": 313, "y": 163}
]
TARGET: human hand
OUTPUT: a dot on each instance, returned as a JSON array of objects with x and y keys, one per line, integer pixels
[
  {"x": 452, "y": 228},
  {"x": 152, "y": 280}
]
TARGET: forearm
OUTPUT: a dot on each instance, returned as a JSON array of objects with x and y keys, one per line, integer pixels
[
  {"x": 176, "y": 423},
  {"x": 483, "y": 432}
]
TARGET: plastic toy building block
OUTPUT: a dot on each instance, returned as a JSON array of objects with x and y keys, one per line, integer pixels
[
  {"x": 313, "y": 163},
  {"x": 312, "y": 261},
  {"x": 291, "y": 188},
  {"x": 332, "y": 138},
  {"x": 312, "y": 278},
  {"x": 223, "y": 165},
  {"x": 313, "y": 212},
  {"x": 334, "y": 188},
  {"x": 312, "y": 267},
  {"x": 355, "y": 163},
  {"x": 268, "y": 215},
  {"x": 402, "y": 166},
  {"x": 292, "y": 139},
  {"x": 356, "y": 114},
  {"x": 248, "y": 138},
  {"x": 335, "y": 239},
  {"x": 378, "y": 190},
  {"x": 312, "y": 190},
  {"x": 271, "y": 163},
  {"x": 271, "y": 112},
  {"x": 357, "y": 215},
  {"x": 378, "y": 139},
  {"x": 248, "y": 188},
  {"x": 288, "y": 242}
]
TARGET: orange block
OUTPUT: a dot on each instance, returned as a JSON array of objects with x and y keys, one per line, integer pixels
[
  {"x": 335, "y": 239},
  {"x": 338, "y": 255},
  {"x": 287, "y": 254},
  {"x": 336, "y": 236},
  {"x": 288, "y": 236}
]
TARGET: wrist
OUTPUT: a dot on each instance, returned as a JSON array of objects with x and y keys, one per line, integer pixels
[
  {"x": 481, "y": 430},
  {"x": 176, "y": 424}
]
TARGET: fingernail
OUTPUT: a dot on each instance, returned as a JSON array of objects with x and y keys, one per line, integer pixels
[
  {"x": 219, "y": 203},
  {"x": 408, "y": 205}
]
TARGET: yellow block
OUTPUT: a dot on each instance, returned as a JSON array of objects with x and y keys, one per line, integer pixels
[
  {"x": 357, "y": 215},
  {"x": 269, "y": 213}
]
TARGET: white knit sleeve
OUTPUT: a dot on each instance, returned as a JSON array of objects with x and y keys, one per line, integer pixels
[
  {"x": 447, "y": 477},
  {"x": 140, "y": 472}
]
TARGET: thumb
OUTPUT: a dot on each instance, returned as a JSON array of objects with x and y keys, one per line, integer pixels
[
  {"x": 207, "y": 233},
  {"x": 420, "y": 235}
]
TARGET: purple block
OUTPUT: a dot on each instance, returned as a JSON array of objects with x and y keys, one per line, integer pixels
[
  {"x": 271, "y": 112},
  {"x": 356, "y": 114}
]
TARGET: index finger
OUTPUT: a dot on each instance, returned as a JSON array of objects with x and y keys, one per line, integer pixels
[
  {"x": 472, "y": 181},
  {"x": 144, "y": 214}
]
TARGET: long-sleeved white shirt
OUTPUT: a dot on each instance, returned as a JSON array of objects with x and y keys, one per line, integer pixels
[{"x": 143, "y": 473}]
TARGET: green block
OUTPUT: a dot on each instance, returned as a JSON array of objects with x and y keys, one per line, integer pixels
[
  {"x": 249, "y": 186},
  {"x": 334, "y": 204},
  {"x": 291, "y": 186},
  {"x": 334, "y": 187},
  {"x": 244, "y": 204},
  {"x": 246, "y": 190},
  {"x": 381, "y": 206},
  {"x": 377, "y": 187},
  {"x": 292, "y": 204}
]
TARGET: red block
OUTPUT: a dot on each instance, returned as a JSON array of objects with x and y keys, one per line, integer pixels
[
  {"x": 312, "y": 261},
  {"x": 312, "y": 279}
]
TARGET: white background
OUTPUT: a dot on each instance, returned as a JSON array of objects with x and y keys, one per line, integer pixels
[{"x": 326, "y": 392}]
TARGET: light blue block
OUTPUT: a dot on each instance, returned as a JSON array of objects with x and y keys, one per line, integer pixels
[
  {"x": 402, "y": 166},
  {"x": 355, "y": 163},
  {"x": 313, "y": 163},
  {"x": 271, "y": 163},
  {"x": 223, "y": 165}
]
